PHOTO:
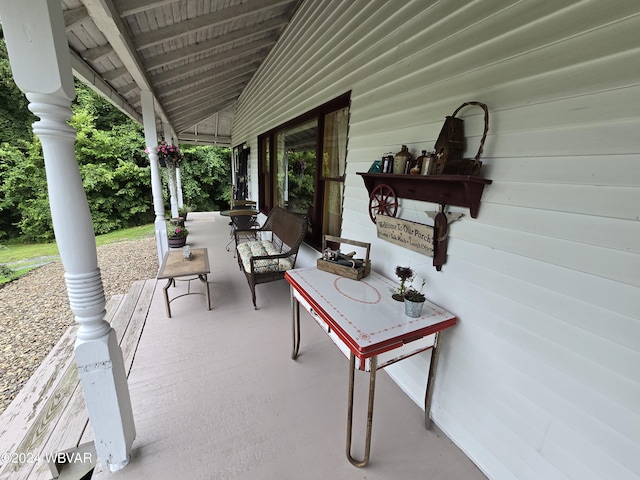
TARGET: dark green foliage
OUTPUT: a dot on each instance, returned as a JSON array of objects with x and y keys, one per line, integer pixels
[
  {"x": 118, "y": 197},
  {"x": 301, "y": 178},
  {"x": 119, "y": 139},
  {"x": 15, "y": 118},
  {"x": 6, "y": 272},
  {"x": 206, "y": 177},
  {"x": 23, "y": 192},
  {"x": 106, "y": 116},
  {"x": 113, "y": 165},
  {"x": 15, "y": 129}
]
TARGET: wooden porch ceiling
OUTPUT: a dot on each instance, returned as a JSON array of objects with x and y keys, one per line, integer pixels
[{"x": 196, "y": 56}]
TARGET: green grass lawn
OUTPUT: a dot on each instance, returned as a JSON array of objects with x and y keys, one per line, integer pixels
[{"x": 31, "y": 252}]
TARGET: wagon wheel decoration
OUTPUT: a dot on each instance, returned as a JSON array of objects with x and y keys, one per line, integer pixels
[{"x": 384, "y": 201}]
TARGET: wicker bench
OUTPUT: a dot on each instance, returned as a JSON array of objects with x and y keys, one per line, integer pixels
[{"x": 275, "y": 250}]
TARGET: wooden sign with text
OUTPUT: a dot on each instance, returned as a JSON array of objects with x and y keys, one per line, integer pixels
[{"x": 411, "y": 235}]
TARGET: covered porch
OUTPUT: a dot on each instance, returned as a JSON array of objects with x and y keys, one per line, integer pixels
[
  {"x": 215, "y": 393},
  {"x": 539, "y": 378}
]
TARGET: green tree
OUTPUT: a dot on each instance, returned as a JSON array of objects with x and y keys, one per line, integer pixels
[
  {"x": 110, "y": 152},
  {"x": 23, "y": 191},
  {"x": 206, "y": 177},
  {"x": 15, "y": 129},
  {"x": 105, "y": 115},
  {"x": 112, "y": 164},
  {"x": 15, "y": 117}
]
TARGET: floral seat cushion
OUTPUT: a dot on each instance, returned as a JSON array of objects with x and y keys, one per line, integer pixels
[{"x": 260, "y": 248}]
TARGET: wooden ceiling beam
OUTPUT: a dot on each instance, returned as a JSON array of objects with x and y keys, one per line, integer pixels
[
  {"x": 105, "y": 16},
  {"x": 195, "y": 139},
  {"x": 131, "y": 7},
  {"x": 203, "y": 22},
  {"x": 114, "y": 74},
  {"x": 201, "y": 102},
  {"x": 203, "y": 47},
  {"x": 127, "y": 89},
  {"x": 206, "y": 88},
  {"x": 211, "y": 62},
  {"x": 97, "y": 53},
  {"x": 89, "y": 76},
  {"x": 184, "y": 123},
  {"x": 207, "y": 75},
  {"x": 74, "y": 17},
  {"x": 230, "y": 72}
]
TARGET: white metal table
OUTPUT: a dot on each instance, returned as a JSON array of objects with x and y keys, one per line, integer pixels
[{"x": 369, "y": 327}]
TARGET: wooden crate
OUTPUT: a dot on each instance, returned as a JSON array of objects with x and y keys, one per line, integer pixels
[{"x": 342, "y": 270}]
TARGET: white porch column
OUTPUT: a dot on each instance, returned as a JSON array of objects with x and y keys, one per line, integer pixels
[
  {"x": 151, "y": 139},
  {"x": 174, "y": 140},
  {"x": 179, "y": 181},
  {"x": 39, "y": 53},
  {"x": 174, "y": 188}
]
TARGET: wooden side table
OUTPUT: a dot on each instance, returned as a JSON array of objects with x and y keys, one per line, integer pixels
[
  {"x": 174, "y": 266},
  {"x": 369, "y": 327}
]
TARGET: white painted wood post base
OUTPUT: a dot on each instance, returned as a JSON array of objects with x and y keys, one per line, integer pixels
[
  {"x": 101, "y": 367},
  {"x": 162, "y": 241}
]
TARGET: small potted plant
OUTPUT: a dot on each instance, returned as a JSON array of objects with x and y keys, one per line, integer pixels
[
  {"x": 177, "y": 235},
  {"x": 414, "y": 301},
  {"x": 183, "y": 211},
  {"x": 405, "y": 274}
]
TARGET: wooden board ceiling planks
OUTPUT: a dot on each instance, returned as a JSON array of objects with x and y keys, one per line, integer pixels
[{"x": 196, "y": 56}]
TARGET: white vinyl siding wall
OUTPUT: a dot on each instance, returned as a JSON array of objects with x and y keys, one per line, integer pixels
[{"x": 541, "y": 377}]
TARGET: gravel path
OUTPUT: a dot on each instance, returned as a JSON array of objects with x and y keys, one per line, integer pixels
[{"x": 35, "y": 312}]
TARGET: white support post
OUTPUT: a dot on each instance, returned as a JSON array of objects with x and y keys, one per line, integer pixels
[
  {"x": 171, "y": 177},
  {"x": 174, "y": 140},
  {"x": 39, "y": 53},
  {"x": 179, "y": 181},
  {"x": 174, "y": 183},
  {"x": 151, "y": 139}
]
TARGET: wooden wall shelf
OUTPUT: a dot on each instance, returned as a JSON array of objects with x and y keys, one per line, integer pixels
[{"x": 457, "y": 190}]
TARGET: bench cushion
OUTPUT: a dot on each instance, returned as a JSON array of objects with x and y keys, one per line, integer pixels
[{"x": 260, "y": 248}]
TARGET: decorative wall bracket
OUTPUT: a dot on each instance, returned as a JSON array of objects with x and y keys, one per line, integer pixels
[{"x": 458, "y": 190}]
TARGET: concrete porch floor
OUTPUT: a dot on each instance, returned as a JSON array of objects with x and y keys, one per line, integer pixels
[{"x": 216, "y": 395}]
